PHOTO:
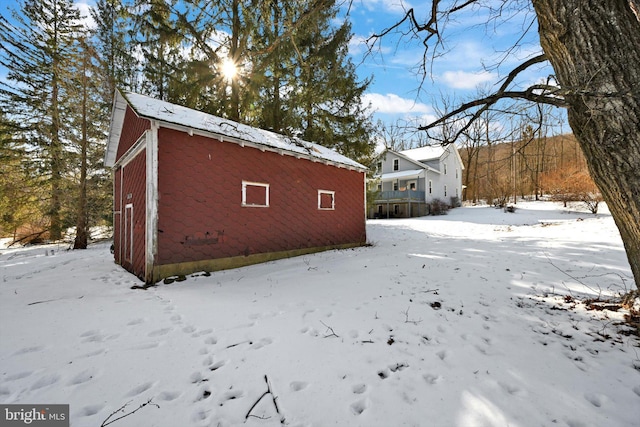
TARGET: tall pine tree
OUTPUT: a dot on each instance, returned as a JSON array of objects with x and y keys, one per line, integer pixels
[{"x": 36, "y": 48}]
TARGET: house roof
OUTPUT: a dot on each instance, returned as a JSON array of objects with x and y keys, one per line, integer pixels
[
  {"x": 401, "y": 174},
  {"x": 189, "y": 119},
  {"x": 424, "y": 153}
]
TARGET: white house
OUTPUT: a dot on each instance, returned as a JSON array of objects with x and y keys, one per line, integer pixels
[{"x": 409, "y": 181}]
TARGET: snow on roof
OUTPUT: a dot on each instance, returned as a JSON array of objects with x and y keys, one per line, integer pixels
[
  {"x": 167, "y": 112},
  {"x": 401, "y": 174},
  {"x": 424, "y": 153}
]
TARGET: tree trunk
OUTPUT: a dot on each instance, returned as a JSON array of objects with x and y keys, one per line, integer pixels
[{"x": 594, "y": 48}]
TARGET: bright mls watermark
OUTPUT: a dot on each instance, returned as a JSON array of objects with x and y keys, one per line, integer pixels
[{"x": 34, "y": 415}]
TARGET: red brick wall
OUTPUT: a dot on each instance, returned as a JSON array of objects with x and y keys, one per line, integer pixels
[
  {"x": 131, "y": 130},
  {"x": 200, "y": 208}
]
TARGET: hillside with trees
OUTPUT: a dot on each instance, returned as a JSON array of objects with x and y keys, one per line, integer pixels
[{"x": 549, "y": 166}]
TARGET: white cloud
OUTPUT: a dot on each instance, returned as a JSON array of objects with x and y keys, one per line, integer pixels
[
  {"x": 395, "y": 6},
  {"x": 393, "y": 104},
  {"x": 466, "y": 80},
  {"x": 84, "y": 6}
]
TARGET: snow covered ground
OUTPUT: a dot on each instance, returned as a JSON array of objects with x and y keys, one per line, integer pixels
[{"x": 468, "y": 319}]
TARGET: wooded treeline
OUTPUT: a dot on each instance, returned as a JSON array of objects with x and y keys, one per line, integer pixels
[
  {"x": 505, "y": 172},
  {"x": 293, "y": 76}
]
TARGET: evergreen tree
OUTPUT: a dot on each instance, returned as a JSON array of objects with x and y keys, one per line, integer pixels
[
  {"x": 112, "y": 35},
  {"x": 36, "y": 50}
]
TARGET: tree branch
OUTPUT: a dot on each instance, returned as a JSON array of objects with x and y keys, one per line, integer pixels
[{"x": 541, "y": 93}]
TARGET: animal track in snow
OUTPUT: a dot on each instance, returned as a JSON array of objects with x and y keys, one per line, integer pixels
[
  {"x": 442, "y": 354},
  {"x": 201, "y": 333},
  {"x": 211, "y": 340},
  {"x": 137, "y": 321}
]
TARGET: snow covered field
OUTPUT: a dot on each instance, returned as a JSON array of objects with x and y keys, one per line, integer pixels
[{"x": 468, "y": 319}]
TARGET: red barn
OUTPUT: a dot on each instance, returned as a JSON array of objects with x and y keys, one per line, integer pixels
[{"x": 194, "y": 192}]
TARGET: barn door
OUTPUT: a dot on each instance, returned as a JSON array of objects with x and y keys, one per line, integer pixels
[{"x": 128, "y": 232}]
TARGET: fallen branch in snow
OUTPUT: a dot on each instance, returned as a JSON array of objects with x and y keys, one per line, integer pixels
[
  {"x": 329, "y": 328},
  {"x": 50, "y": 300},
  {"x": 108, "y": 420},
  {"x": 406, "y": 318},
  {"x": 273, "y": 398}
]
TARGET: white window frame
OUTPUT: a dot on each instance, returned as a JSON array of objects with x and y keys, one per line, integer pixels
[
  {"x": 128, "y": 233},
  {"x": 333, "y": 200},
  {"x": 254, "y": 184}
]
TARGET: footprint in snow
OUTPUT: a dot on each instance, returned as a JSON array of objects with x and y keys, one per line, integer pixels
[
  {"x": 168, "y": 396},
  {"x": 432, "y": 378},
  {"x": 231, "y": 395},
  {"x": 159, "y": 332},
  {"x": 211, "y": 340},
  {"x": 18, "y": 376},
  {"x": 139, "y": 389},
  {"x": 596, "y": 399},
  {"x": 261, "y": 343},
  {"x": 219, "y": 364},
  {"x": 90, "y": 410},
  {"x": 45, "y": 381},
  {"x": 359, "y": 388},
  {"x": 298, "y": 385},
  {"x": 27, "y": 350},
  {"x": 83, "y": 377},
  {"x": 135, "y": 321},
  {"x": 359, "y": 406}
]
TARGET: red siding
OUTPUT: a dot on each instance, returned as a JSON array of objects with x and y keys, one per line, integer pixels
[
  {"x": 133, "y": 193},
  {"x": 132, "y": 129},
  {"x": 200, "y": 189}
]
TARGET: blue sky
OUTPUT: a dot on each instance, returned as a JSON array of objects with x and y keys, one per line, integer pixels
[
  {"x": 474, "y": 44},
  {"x": 473, "y": 48}
]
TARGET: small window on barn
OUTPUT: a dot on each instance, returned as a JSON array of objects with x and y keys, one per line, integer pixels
[
  {"x": 255, "y": 194},
  {"x": 326, "y": 200}
]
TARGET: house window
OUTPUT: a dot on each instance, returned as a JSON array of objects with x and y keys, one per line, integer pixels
[
  {"x": 395, "y": 165},
  {"x": 445, "y": 191},
  {"x": 395, "y": 186},
  {"x": 326, "y": 200},
  {"x": 379, "y": 187},
  {"x": 396, "y": 209},
  {"x": 379, "y": 166},
  {"x": 430, "y": 186},
  {"x": 255, "y": 194}
]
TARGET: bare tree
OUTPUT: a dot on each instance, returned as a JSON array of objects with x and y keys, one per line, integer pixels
[{"x": 594, "y": 49}]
